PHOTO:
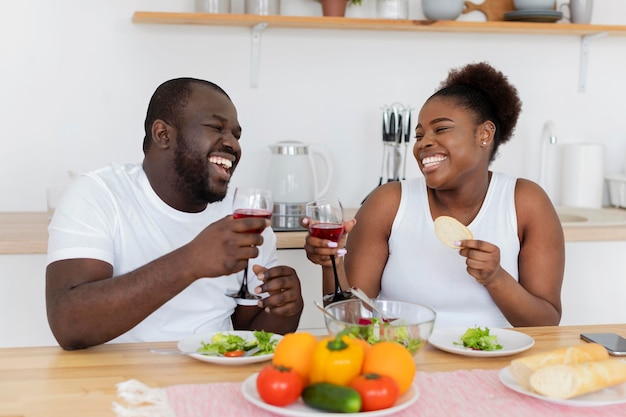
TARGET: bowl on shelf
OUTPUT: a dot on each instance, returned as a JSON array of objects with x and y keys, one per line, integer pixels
[
  {"x": 534, "y": 4},
  {"x": 410, "y": 324}
]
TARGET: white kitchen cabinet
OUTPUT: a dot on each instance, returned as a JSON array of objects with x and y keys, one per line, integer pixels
[
  {"x": 311, "y": 281},
  {"x": 23, "y": 320},
  {"x": 594, "y": 287}
]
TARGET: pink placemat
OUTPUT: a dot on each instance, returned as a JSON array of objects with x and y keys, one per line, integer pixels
[{"x": 477, "y": 393}]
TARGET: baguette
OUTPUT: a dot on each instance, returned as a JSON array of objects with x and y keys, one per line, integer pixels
[
  {"x": 566, "y": 381},
  {"x": 522, "y": 368},
  {"x": 449, "y": 230}
]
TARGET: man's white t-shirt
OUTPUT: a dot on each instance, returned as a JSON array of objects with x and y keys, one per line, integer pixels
[{"x": 114, "y": 215}]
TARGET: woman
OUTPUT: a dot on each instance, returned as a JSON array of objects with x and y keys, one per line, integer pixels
[{"x": 511, "y": 273}]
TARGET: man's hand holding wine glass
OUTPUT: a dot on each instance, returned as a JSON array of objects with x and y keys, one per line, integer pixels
[{"x": 252, "y": 209}]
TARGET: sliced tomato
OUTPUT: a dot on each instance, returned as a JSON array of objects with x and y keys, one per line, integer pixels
[
  {"x": 234, "y": 353},
  {"x": 278, "y": 385},
  {"x": 377, "y": 391}
]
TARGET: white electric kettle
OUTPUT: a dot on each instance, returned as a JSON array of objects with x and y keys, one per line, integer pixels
[{"x": 294, "y": 181}]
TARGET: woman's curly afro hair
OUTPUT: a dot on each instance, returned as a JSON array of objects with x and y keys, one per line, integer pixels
[{"x": 488, "y": 94}]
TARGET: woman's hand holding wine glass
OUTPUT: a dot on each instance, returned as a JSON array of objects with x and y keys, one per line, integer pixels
[
  {"x": 325, "y": 219},
  {"x": 250, "y": 202}
]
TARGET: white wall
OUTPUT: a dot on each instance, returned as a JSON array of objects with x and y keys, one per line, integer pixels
[{"x": 76, "y": 77}]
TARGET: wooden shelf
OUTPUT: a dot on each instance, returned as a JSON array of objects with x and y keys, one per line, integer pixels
[
  {"x": 258, "y": 23},
  {"x": 309, "y": 22}
]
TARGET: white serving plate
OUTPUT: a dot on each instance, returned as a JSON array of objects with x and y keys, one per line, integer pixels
[
  {"x": 299, "y": 409},
  {"x": 512, "y": 342},
  {"x": 608, "y": 396},
  {"x": 192, "y": 343}
]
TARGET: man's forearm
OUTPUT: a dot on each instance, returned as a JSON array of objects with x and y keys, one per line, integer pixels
[{"x": 95, "y": 312}]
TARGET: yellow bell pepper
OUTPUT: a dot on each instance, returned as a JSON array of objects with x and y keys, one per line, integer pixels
[{"x": 337, "y": 360}]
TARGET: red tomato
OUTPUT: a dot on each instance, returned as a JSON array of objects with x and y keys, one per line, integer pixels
[
  {"x": 278, "y": 385},
  {"x": 234, "y": 353},
  {"x": 376, "y": 391}
]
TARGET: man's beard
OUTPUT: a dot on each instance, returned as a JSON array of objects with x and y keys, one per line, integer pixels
[{"x": 192, "y": 177}]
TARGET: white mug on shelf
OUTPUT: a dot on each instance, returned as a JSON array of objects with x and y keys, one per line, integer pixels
[{"x": 579, "y": 10}]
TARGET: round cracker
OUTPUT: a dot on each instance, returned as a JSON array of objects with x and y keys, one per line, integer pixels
[{"x": 450, "y": 230}]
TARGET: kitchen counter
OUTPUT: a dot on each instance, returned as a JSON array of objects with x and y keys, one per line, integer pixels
[{"x": 26, "y": 232}]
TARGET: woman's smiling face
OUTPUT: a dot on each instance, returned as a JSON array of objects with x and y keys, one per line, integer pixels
[{"x": 447, "y": 145}]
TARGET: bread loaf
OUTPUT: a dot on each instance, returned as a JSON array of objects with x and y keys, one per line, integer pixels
[
  {"x": 522, "y": 368},
  {"x": 566, "y": 381},
  {"x": 449, "y": 230}
]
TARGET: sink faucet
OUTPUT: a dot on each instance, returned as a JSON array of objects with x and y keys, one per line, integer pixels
[{"x": 548, "y": 137}]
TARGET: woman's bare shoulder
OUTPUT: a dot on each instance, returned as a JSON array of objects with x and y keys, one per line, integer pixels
[
  {"x": 379, "y": 209},
  {"x": 533, "y": 205},
  {"x": 385, "y": 198}
]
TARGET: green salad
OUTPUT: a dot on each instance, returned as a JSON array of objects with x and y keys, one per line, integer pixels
[
  {"x": 376, "y": 329},
  {"x": 223, "y": 343},
  {"x": 479, "y": 339}
]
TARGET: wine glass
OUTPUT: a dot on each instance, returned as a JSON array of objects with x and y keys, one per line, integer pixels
[
  {"x": 250, "y": 202},
  {"x": 326, "y": 222}
]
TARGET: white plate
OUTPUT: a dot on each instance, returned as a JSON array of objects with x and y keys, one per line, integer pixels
[
  {"x": 512, "y": 342},
  {"x": 191, "y": 343},
  {"x": 299, "y": 409},
  {"x": 607, "y": 396}
]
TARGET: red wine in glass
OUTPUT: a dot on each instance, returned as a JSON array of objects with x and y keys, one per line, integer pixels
[
  {"x": 327, "y": 231},
  {"x": 326, "y": 217},
  {"x": 257, "y": 213},
  {"x": 257, "y": 203}
]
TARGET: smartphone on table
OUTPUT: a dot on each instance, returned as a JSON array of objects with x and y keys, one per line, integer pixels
[{"x": 614, "y": 343}]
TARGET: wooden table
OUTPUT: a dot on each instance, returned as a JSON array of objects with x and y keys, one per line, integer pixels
[{"x": 50, "y": 382}]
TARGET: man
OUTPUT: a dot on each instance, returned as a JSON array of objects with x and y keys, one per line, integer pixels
[{"x": 147, "y": 252}]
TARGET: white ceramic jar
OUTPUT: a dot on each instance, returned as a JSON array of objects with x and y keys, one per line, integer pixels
[
  {"x": 442, "y": 9},
  {"x": 262, "y": 7},
  {"x": 392, "y": 9},
  {"x": 212, "y": 6}
]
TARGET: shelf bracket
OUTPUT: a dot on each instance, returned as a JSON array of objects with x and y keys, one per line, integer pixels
[
  {"x": 584, "y": 59},
  {"x": 255, "y": 53}
]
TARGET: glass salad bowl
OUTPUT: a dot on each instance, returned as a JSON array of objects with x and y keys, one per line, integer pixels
[{"x": 409, "y": 324}]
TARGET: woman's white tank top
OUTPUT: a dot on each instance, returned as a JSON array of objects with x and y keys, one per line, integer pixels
[{"x": 421, "y": 269}]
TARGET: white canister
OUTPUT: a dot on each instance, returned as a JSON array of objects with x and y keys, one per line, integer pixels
[
  {"x": 392, "y": 9},
  {"x": 262, "y": 7},
  {"x": 582, "y": 175},
  {"x": 442, "y": 9},
  {"x": 212, "y": 6},
  {"x": 617, "y": 190}
]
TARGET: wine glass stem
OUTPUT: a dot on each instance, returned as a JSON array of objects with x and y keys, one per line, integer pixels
[
  {"x": 338, "y": 289},
  {"x": 243, "y": 291}
]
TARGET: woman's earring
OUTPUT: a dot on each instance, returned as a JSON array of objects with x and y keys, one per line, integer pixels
[{"x": 484, "y": 143}]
